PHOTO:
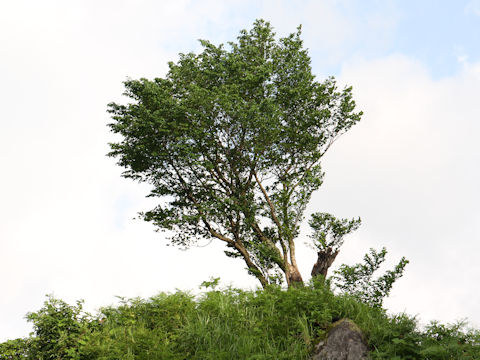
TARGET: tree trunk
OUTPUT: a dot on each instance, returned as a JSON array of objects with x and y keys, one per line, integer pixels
[
  {"x": 324, "y": 261},
  {"x": 294, "y": 278}
]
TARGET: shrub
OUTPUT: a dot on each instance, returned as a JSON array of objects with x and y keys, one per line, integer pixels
[{"x": 59, "y": 330}]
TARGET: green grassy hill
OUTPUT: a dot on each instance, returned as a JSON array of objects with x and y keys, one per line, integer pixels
[{"x": 230, "y": 324}]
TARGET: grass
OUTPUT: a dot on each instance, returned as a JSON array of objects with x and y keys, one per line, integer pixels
[{"x": 231, "y": 324}]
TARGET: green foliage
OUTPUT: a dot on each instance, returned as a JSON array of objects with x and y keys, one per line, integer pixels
[
  {"x": 213, "y": 283},
  {"x": 232, "y": 324},
  {"x": 59, "y": 329},
  {"x": 451, "y": 341},
  {"x": 357, "y": 280},
  {"x": 15, "y": 349},
  {"x": 329, "y": 232},
  {"x": 141, "y": 329},
  {"x": 231, "y": 140}
]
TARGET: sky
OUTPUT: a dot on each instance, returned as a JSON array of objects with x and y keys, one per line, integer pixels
[{"x": 409, "y": 169}]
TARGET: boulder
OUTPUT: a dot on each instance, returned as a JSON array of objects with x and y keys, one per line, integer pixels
[{"x": 345, "y": 341}]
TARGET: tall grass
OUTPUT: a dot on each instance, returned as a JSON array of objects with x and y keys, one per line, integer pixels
[{"x": 231, "y": 324}]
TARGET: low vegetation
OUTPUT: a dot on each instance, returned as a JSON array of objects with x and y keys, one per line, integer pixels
[{"x": 271, "y": 323}]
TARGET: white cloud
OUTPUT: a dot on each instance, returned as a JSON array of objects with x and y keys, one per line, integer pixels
[
  {"x": 409, "y": 170},
  {"x": 61, "y": 229},
  {"x": 473, "y": 7},
  {"x": 333, "y": 30}
]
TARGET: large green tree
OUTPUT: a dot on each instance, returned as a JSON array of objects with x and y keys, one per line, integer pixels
[{"x": 231, "y": 141}]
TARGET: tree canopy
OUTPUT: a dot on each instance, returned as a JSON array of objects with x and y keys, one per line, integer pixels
[{"x": 231, "y": 141}]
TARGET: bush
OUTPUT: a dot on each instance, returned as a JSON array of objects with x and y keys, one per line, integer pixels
[{"x": 60, "y": 330}]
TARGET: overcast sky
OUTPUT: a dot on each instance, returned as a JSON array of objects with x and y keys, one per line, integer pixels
[{"x": 409, "y": 169}]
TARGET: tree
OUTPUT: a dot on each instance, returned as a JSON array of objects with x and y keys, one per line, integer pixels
[
  {"x": 328, "y": 236},
  {"x": 357, "y": 280},
  {"x": 231, "y": 140}
]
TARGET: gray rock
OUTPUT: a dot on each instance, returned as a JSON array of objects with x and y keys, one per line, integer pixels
[{"x": 345, "y": 341}]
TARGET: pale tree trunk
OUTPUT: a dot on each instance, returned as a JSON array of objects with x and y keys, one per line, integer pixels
[{"x": 293, "y": 276}]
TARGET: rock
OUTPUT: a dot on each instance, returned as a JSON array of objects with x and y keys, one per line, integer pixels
[{"x": 345, "y": 341}]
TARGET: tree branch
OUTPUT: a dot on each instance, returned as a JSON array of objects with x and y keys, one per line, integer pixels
[
  {"x": 270, "y": 204},
  {"x": 246, "y": 256}
]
